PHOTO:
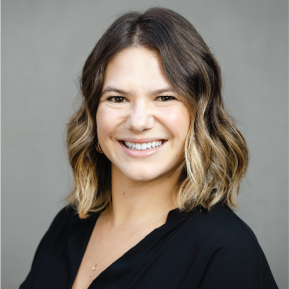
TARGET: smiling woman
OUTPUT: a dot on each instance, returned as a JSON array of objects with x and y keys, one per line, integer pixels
[
  {"x": 157, "y": 166},
  {"x": 140, "y": 127}
]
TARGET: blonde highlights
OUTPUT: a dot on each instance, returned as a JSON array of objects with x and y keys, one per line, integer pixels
[{"x": 216, "y": 155}]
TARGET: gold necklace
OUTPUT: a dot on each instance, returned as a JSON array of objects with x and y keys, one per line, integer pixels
[{"x": 97, "y": 264}]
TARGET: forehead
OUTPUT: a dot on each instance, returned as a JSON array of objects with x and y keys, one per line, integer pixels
[{"x": 136, "y": 68}]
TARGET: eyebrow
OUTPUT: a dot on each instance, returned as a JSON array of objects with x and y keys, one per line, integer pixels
[{"x": 123, "y": 92}]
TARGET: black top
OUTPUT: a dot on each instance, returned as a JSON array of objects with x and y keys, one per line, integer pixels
[{"x": 198, "y": 249}]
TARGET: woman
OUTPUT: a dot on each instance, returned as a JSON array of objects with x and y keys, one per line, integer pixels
[{"x": 157, "y": 166}]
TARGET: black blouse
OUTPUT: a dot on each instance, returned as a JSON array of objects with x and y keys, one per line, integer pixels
[{"x": 198, "y": 249}]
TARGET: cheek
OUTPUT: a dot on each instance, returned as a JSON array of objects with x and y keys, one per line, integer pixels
[
  {"x": 108, "y": 121},
  {"x": 102, "y": 124},
  {"x": 177, "y": 120}
]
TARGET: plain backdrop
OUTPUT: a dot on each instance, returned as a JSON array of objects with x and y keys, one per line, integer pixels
[{"x": 44, "y": 46}]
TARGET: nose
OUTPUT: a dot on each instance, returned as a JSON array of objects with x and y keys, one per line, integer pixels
[{"x": 140, "y": 117}]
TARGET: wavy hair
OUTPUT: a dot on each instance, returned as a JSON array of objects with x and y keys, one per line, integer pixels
[{"x": 216, "y": 154}]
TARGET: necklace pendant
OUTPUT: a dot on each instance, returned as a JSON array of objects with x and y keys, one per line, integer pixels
[{"x": 94, "y": 267}]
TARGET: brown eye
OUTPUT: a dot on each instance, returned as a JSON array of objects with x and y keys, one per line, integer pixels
[
  {"x": 165, "y": 98},
  {"x": 117, "y": 99}
]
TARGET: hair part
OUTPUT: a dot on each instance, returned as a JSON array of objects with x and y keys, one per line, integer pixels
[{"x": 216, "y": 154}]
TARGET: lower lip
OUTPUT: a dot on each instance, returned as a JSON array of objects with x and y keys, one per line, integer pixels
[{"x": 141, "y": 154}]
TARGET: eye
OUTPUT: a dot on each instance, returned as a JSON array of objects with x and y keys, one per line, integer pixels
[
  {"x": 116, "y": 99},
  {"x": 166, "y": 98}
]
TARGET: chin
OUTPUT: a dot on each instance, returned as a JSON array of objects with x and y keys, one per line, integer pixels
[{"x": 141, "y": 175}]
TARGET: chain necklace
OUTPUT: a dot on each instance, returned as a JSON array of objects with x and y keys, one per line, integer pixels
[{"x": 97, "y": 264}]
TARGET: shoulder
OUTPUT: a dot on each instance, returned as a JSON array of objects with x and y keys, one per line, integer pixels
[
  {"x": 65, "y": 216},
  {"x": 233, "y": 249},
  {"x": 67, "y": 213},
  {"x": 62, "y": 226},
  {"x": 223, "y": 226},
  {"x": 67, "y": 221},
  {"x": 220, "y": 228},
  {"x": 65, "y": 225}
]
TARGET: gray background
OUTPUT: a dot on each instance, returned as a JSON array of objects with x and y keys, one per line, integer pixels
[{"x": 44, "y": 46}]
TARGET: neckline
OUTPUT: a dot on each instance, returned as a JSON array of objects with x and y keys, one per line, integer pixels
[
  {"x": 173, "y": 214},
  {"x": 177, "y": 213}
]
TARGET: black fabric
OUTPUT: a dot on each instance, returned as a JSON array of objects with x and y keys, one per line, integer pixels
[{"x": 198, "y": 249}]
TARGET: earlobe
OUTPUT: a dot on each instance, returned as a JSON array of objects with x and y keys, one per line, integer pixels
[{"x": 98, "y": 148}]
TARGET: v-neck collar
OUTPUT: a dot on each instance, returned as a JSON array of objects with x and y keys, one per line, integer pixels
[
  {"x": 176, "y": 213},
  {"x": 173, "y": 214}
]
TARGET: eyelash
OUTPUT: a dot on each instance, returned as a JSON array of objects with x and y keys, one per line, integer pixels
[
  {"x": 166, "y": 96},
  {"x": 116, "y": 97},
  {"x": 161, "y": 98}
]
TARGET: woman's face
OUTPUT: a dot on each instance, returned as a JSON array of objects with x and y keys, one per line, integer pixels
[{"x": 142, "y": 122}]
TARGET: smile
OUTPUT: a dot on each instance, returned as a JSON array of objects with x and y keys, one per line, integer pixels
[{"x": 143, "y": 146}]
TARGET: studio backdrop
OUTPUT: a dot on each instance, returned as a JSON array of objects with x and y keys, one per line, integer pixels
[{"x": 45, "y": 44}]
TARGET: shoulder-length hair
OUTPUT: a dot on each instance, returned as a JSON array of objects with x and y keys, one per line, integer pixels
[{"x": 216, "y": 154}]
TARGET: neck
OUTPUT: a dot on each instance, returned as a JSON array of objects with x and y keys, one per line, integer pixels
[{"x": 134, "y": 202}]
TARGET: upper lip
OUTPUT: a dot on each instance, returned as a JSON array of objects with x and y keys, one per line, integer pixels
[{"x": 141, "y": 140}]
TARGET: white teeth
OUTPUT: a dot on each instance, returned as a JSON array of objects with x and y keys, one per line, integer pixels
[{"x": 143, "y": 146}]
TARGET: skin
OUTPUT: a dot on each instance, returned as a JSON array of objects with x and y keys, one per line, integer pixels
[
  {"x": 137, "y": 115},
  {"x": 132, "y": 107}
]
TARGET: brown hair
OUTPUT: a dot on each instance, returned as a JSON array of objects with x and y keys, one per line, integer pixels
[{"x": 216, "y": 155}]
